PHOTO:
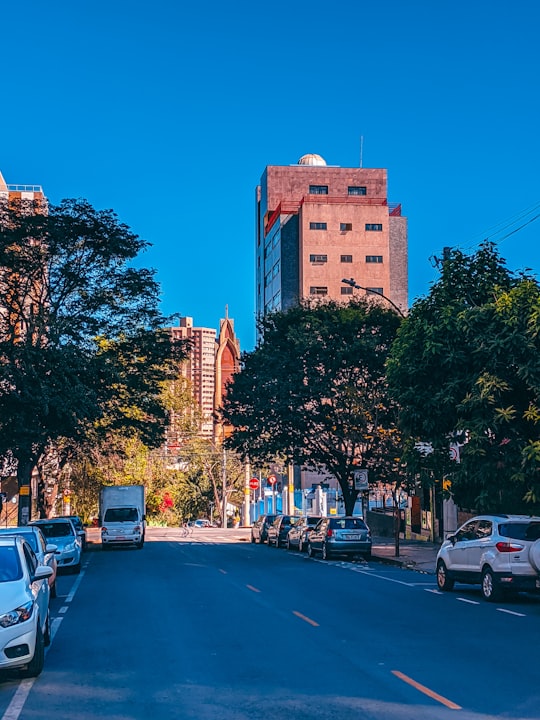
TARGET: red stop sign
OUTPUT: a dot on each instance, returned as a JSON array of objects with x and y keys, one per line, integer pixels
[{"x": 253, "y": 483}]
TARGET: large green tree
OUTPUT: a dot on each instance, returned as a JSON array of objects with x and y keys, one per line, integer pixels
[
  {"x": 466, "y": 366},
  {"x": 80, "y": 331},
  {"x": 314, "y": 391}
]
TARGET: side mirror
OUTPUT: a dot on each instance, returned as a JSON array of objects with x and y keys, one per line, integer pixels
[
  {"x": 452, "y": 539},
  {"x": 42, "y": 572},
  {"x": 51, "y": 548}
]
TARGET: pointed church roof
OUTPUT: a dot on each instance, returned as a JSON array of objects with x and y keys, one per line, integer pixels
[{"x": 3, "y": 186}]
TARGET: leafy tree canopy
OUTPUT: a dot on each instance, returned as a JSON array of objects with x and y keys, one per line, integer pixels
[
  {"x": 314, "y": 391},
  {"x": 465, "y": 365}
]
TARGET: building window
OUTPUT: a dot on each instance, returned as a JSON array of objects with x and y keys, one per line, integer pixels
[
  {"x": 318, "y": 290},
  {"x": 346, "y": 290},
  {"x": 318, "y": 189},
  {"x": 374, "y": 291},
  {"x": 346, "y": 258},
  {"x": 377, "y": 227},
  {"x": 374, "y": 258},
  {"x": 317, "y": 226},
  {"x": 357, "y": 190},
  {"x": 318, "y": 258},
  {"x": 345, "y": 227}
]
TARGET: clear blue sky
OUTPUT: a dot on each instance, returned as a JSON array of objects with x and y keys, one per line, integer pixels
[{"x": 168, "y": 113}]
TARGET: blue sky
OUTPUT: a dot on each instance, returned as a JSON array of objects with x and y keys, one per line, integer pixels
[{"x": 168, "y": 112}]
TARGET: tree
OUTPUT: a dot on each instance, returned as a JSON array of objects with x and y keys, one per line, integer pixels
[
  {"x": 465, "y": 364},
  {"x": 314, "y": 391},
  {"x": 80, "y": 337}
]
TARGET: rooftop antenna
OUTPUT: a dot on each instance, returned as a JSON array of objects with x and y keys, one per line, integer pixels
[{"x": 361, "y": 149}]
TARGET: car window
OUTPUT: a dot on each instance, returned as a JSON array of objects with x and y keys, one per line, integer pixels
[
  {"x": 312, "y": 521},
  {"x": 121, "y": 515},
  {"x": 520, "y": 531},
  {"x": 467, "y": 532},
  {"x": 54, "y": 530},
  {"x": 483, "y": 529},
  {"x": 10, "y": 567},
  {"x": 348, "y": 524},
  {"x": 31, "y": 559},
  {"x": 28, "y": 536}
]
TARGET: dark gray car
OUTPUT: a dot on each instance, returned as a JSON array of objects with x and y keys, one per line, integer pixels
[
  {"x": 259, "y": 529},
  {"x": 298, "y": 535},
  {"x": 340, "y": 536},
  {"x": 279, "y": 529}
]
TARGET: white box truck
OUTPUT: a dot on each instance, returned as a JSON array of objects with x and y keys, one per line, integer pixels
[{"x": 122, "y": 515}]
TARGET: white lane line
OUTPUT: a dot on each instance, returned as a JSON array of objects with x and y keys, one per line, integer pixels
[
  {"x": 511, "y": 612},
  {"x": 15, "y": 707},
  {"x": 466, "y": 600},
  {"x": 382, "y": 577},
  {"x": 63, "y": 609},
  {"x": 434, "y": 591}
]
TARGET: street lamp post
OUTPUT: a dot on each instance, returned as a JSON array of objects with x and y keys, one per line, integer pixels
[{"x": 354, "y": 284}]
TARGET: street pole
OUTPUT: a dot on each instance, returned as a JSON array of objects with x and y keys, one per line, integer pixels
[
  {"x": 290, "y": 486},
  {"x": 224, "y": 503},
  {"x": 247, "y": 496}
]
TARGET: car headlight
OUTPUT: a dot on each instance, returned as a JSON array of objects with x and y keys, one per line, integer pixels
[{"x": 19, "y": 615}]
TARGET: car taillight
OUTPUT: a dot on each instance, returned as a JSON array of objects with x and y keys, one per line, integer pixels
[
  {"x": 504, "y": 547},
  {"x": 329, "y": 532}
]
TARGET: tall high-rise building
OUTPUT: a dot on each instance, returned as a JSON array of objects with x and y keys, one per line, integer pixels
[
  {"x": 318, "y": 224},
  {"x": 212, "y": 360}
]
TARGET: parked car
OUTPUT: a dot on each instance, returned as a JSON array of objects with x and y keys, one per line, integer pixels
[
  {"x": 44, "y": 552},
  {"x": 259, "y": 529},
  {"x": 61, "y": 532},
  {"x": 298, "y": 535},
  {"x": 346, "y": 535},
  {"x": 79, "y": 527},
  {"x": 200, "y": 523},
  {"x": 279, "y": 529},
  {"x": 501, "y": 553},
  {"x": 24, "y": 607}
]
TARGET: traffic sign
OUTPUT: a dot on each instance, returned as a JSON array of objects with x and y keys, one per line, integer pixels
[
  {"x": 253, "y": 483},
  {"x": 361, "y": 480},
  {"x": 272, "y": 479}
]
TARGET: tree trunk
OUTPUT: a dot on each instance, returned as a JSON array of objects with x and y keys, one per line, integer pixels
[
  {"x": 349, "y": 499},
  {"x": 397, "y": 521},
  {"x": 25, "y": 465}
]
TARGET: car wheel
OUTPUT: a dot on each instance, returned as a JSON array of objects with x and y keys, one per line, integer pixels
[
  {"x": 140, "y": 545},
  {"x": 367, "y": 555},
  {"x": 47, "y": 633},
  {"x": 490, "y": 590},
  {"x": 325, "y": 555},
  {"x": 288, "y": 544},
  {"x": 53, "y": 589},
  {"x": 310, "y": 551},
  {"x": 35, "y": 666},
  {"x": 252, "y": 538},
  {"x": 443, "y": 581},
  {"x": 300, "y": 546},
  {"x": 76, "y": 569}
]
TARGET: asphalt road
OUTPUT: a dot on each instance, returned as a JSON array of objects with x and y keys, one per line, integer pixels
[{"x": 210, "y": 626}]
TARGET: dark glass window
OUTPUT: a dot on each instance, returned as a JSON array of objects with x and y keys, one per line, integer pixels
[
  {"x": 346, "y": 258},
  {"x": 346, "y": 290},
  {"x": 376, "y": 227},
  {"x": 374, "y": 291},
  {"x": 374, "y": 258},
  {"x": 345, "y": 227},
  {"x": 357, "y": 190},
  {"x": 318, "y": 189},
  {"x": 318, "y": 258},
  {"x": 314, "y": 290},
  {"x": 317, "y": 226}
]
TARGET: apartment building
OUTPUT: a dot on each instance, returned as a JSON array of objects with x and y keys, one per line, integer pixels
[{"x": 318, "y": 224}]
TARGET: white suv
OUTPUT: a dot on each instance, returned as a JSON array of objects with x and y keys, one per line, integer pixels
[{"x": 501, "y": 553}]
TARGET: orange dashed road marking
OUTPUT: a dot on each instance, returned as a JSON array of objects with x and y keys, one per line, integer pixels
[
  {"x": 306, "y": 619},
  {"x": 426, "y": 691}
]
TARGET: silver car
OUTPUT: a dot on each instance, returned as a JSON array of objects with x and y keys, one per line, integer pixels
[
  {"x": 501, "y": 553},
  {"x": 24, "y": 608},
  {"x": 61, "y": 532},
  {"x": 346, "y": 535},
  {"x": 44, "y": 552}
]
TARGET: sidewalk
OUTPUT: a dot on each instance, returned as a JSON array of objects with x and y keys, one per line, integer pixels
[{"x": 417, "y": 554}]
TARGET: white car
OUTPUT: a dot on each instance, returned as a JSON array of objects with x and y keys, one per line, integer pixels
[
  {"x": 501, "y": 553},
  {"x": 44, "y": 552},
  {"x": 24, "y": 608},
  {"x": 61, "y": 532}
]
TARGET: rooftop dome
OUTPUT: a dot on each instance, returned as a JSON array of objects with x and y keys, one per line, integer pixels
[{"x": 311, "y": 159}]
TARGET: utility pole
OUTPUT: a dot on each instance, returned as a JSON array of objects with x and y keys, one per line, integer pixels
[
  {"x": 224, "y": 483},
  {"x": 247, "y": 496}
]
